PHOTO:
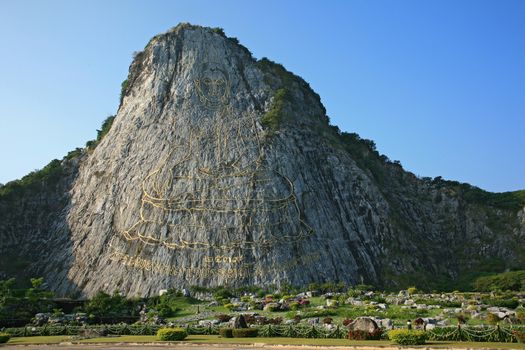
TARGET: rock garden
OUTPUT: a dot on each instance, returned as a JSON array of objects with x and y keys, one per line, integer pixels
[{"x": 323, "y": 311}]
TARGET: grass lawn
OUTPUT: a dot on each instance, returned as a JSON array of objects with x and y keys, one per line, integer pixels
[
  {"x": 214, "y": 339},
  {"x": 51, "y": 339}
]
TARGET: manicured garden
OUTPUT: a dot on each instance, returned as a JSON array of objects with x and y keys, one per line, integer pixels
[{"x": 323, "y": 314}]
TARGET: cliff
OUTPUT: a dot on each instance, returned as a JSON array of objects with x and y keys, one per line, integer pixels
[{"x": 220, "y": 169}]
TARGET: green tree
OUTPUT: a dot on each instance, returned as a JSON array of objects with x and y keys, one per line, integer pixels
[{"x": 103, "y": 305}]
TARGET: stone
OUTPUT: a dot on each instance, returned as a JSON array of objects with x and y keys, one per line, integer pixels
[
  {"x": 331, "y": 303},
  {"x": 365, "y": 324},
  {"x": 501, "y": 315},
  {"x": 355, "y": 302},
  {"x": 385, "y": 323},
  {"x": 313, "y": 321},
  {"x": 239, "y": 322},
  {"x": 430, "y": 320},
  {"x": 403, "y": 294},
  {"x": 41, "y": 319}
]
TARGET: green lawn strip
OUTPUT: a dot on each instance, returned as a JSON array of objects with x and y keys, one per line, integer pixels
[
  {"x": 214, "y": 339},
  {"x": 122, "y": 339},
  {"x": 49, "y": 339}
]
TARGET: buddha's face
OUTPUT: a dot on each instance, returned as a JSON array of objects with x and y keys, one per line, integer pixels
[{"x": 213, "y": 86}]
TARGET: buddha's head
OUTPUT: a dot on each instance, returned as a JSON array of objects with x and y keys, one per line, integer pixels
[{"x": 213, "y": 85}]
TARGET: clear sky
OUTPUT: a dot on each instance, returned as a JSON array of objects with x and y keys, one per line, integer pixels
[{"x": 437, "y": 84}]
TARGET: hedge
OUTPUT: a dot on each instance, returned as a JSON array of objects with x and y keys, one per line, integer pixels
[
  {"x": 464, "y": 333},
  {"x": 476, "y": 334},
  {"x": 407, "y": 337},
  {"x": 4, "y": 338},
  {"x": 245, "y": 332},
  {"x": 226, "y": 332},
  {"x": 171, "y": 334}
]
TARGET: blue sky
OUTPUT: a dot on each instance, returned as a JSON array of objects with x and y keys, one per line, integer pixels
[{"x": 437, "y": 84}]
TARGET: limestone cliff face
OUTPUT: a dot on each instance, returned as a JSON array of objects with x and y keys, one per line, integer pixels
[{"x": 223, "y": 170}]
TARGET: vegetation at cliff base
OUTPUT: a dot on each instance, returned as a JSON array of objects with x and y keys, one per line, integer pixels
[{"x": 512, "y": 280}]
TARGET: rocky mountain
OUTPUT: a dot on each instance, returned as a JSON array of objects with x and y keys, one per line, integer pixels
[{"x": 220, "y": 169}]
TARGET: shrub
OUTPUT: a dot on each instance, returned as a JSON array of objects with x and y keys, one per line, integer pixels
[
  {"x": 512, "y": 280},
  {"x": 222, "y": 293},
  {"x": 103, "y": 305},
  {"x": 407, "y": 337},
  {"x": 274, "y": 116},
  {"x": 492, "y": 318},
  {"x": 219, "y": 31},
  {"x": 520, "y": 315},
  {"x": 412, "y": 290},
  {"x": 462, "y": 319},
  {"x": 245, "y": 332},
  {"x": 347, "y": 321},
  {"x": 230, "y": 306},
  {"x": 275, "y": 320},
  {"x": 4, "y": 338},
  {"x": 508, "y": 303},
  {"x": 420, "y": 322},
  {"x": 171, "y": 334},
  {"x": 123, "y": 88},
  {"x": 363, "y": 335},
  {"x": 294, "y": 305},
  {"x": 272, "y": 307},
  {"x": 520, "y": 336},
  {"x": 226, "y": 332}
]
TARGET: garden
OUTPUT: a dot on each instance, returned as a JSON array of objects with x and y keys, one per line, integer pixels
[{"x": 328, "y": 313}]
